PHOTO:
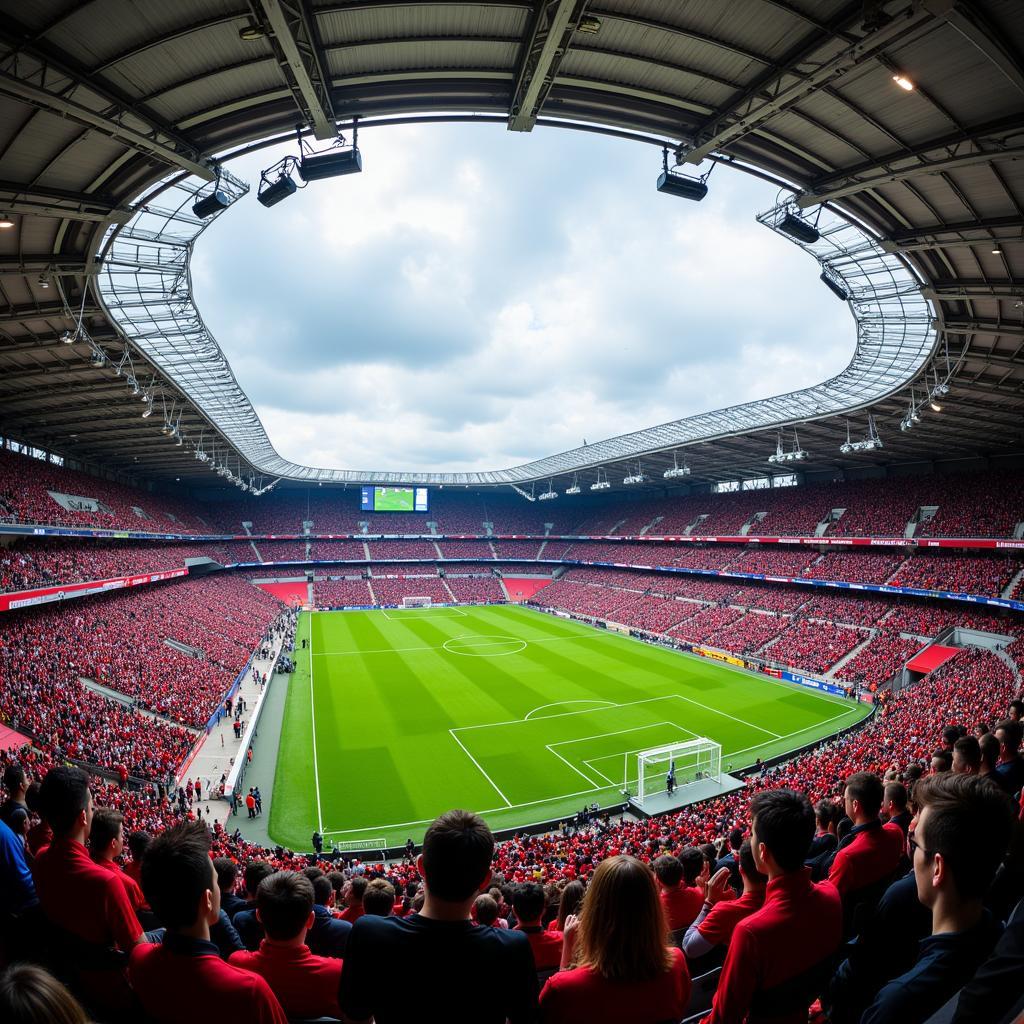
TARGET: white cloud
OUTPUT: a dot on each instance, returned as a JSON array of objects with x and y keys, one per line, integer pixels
[{"x": 475, "y": 299}]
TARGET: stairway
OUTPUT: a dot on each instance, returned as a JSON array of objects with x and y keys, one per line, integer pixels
[
  {"x": 437, "y": 549},
  {"x": 651, "y": 525},
  {"x": 451, "y": 594},
  {"x": 540, "y": 550},
  {"x": 490, "y": 544},
  {"x": 252, "y": 544},
  {"x": 373, "y": 596},
  {"x": 850, "y": 655},
  {"x": 1012, "y": 585}
]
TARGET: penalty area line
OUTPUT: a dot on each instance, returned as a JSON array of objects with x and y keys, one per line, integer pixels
[{"x": 508, "y": 803}]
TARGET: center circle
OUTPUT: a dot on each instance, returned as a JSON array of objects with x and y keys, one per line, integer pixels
[{"x": 484, "y": 646}]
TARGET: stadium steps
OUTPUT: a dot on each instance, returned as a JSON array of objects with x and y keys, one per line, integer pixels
[
  {"x": 450, "y": 592},
  {"x": 366, "y": 550},
  {"x": 504, "y": 590},
  {"x": 700, "y": 519},
  {"x": 651, "y": 525},
  {"x": 1010, "y": 587},
  {"x": 437, "y": 549},
  {"x": 615, "y": 526},
  {"x": 540, "y": 550},
  {"x": 851, "y": 655},
  {"x": 490, "y": 544},
  {"x": 899, "y": 568},
  {"x": 373, "y": 596},
  {"x": 252, "y": 544}
]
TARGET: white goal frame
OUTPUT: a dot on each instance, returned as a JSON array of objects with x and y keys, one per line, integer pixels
[
  {"x": 695, "y": 760},
  {"x": 417, "y": 602}
]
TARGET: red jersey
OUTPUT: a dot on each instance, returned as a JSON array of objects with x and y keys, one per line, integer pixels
[
  {"x": 722, "y": 918},
  {"x": 352, "y": 914},
  {"x": 131, "y": 887},
  {"x": 185, "y": 979},
  {"x": 873, "y": 854},
  {"x": 799, "y": 925},
  {"x": 546, "y": 946},
  {"x": 682, "y": 905},
  {"x": 582, "y": 996},
  {"x": 305, "y": 985},
  {"x": 83, "y": 898}
]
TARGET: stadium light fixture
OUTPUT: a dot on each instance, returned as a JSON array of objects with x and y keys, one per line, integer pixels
[
  {"x": 905, "y": 83},
  {"x": 68, "y": 337},
  {"x": 589, "y": 25},
  {"x": 332, "y": 162},
  {"x": 635, "y": 478},
  {"x": 5, "y": 222},
  {"x": 681, "y": 185},
  {"x": 216, "y": 202},
  {"x": 798, "y": 228},
  {"x": 575, "y": 489},
  {"x": 43, "y": 281},
  {"x": 834, "y": 286},
  {"x": 781, "y": 454},
  {"x": 676, "y": 471},
  {"x": 99, "y": 358},
  {"x": 148, "y": 411},
  {"x": 277, "y": 183},
  {"x": 550, "y": 494},
  {"x": 601, "y": 483}
]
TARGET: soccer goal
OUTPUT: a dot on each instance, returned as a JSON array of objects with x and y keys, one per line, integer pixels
[
  {"x": 416, "y": 602},
  {"x": 692, "y": 761}
]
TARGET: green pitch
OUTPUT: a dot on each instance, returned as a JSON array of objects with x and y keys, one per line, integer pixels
[{"x": 396, "y": 715}]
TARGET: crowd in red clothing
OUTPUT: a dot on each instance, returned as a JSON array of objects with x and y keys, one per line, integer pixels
[
  {"x": 341, "y": 593},
  {"x": 476, "y": 589},
  {"x": 883, "y": 657},
  {"x": 392, "y": 590},
  {"x": 813, "y": 645}
]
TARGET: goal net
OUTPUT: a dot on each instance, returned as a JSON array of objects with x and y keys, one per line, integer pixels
[
  {"x": 692, "y": 761},
  {"x": 416, "y": 602}
]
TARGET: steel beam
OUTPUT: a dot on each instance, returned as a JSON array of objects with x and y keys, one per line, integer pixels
[
  {"x": 296, "y": 47},
  {"x": 19, "y": 314},
  {"x": 549, "y": 37},
  {"x": 49, "y": 202},
  {"x": 974, "y": 26},
  {"x": 777, "y": 91},
  {"x": 982, "y": 327},
  {"x": 54, "y": 263},
  {"x": 951, "y": 291}
]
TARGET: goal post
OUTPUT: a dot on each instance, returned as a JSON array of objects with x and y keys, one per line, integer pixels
[
  {"x": 416, "y": 602},
  {"x": 694, "y": 760}
]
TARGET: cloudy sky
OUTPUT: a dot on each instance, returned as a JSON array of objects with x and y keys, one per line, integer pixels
[{"x": 478, "y": 298}]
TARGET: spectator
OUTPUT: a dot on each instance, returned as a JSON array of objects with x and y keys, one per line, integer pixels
[
  {"x": 185, "y": 972},
  {"x": 680, "y": 896},
  {"x": 779, "y": 954},
  {"x": 528, "y": 903},
  {"x": 721, "y": 913},
  {"x": 995, "y": 991},
  {"x": 305, "y": 985},
  {"x": 106, "y": 844},
  {"x": 353, "y": 894},
  {"x": 966, "y": 756},
  {"x": 990, "y": 750},
  {"x": 869, "y": 854},
  {"x": 1010, "y": 769},
  {"x": 964, "y": 825},
  {"x": 244, "y": 918},
  {"x": 329, "y": 935},
  {"x": 569, "y": 902},
  {"x": 18, "y": 901},
  {"x": 486, "y": 974},
  {"x": 618, "y": 967},
  {"x": 138, "y": 842},
  {"x": 14, "y": 811},
  {"x": 379, "y": 898},
  {"x": 942, "y": 761},
  {"x": 485, "y": 910},
  {"x": 227, "y": 874},
  {"x": 731, "y": 860},
  {"x": 87, "y": 907},
  {"x": 29, "y": 995},
  {"x": 894, "y": 811}
]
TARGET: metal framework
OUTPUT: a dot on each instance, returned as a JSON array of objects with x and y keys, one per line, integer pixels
[{"x": 145, "y": 286}]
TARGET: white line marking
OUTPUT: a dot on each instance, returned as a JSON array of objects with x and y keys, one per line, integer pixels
[
  {"x": 312, "y": 715},
  {"x": 599, "y": 772},
  {"x": 619, "y": 732},
  {"x": 548, "y": 747},
  {"x": 563, "y": 714},
  {"x": 508, "y": 803},
  {"x": 559, "y": 703},
  {"x": 725, "y": 714},
  {"x": 446, "y": 613}
]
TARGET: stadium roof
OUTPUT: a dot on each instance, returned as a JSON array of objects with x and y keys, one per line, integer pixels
[{"x": 112, "y": 114}]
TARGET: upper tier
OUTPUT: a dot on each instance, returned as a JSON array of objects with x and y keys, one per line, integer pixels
[{"x": 975, "y": 505}]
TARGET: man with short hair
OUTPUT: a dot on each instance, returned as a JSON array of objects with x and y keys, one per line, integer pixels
[
  {"x": 894, "y": 812},
  {"x": 966, "y": 756},
  {"x": 106, "y": 844},
  {"x": 353, "y": 893},
  {"x": 227, "y": 875},
  {"x": 184, "y": 979},
  {"x": 869, "y": 853},
  {"x": 305, "y": 985},
  {"x": 528, "y": 902},
  {"x": 941, "y": 761},
  {"x": 680, "y": 896},
  {"x": 379, "y": 898},
  {"x": 730, "y": 859},
  {"x": 1009, "y": 771},
  {"x": 1015, "y": 712},
  {"x": 244, "y": 917},
  {"x": 964, "y": 826},
  {"x": 486, "y": 974},
  {"x": 721, "y": 913},
  {"x": 329, "y": 935},
  {"x": 14, "y": 810},
  {"x": 777, "y": 953}
]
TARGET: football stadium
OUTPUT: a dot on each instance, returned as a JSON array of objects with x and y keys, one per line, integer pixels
[{"x": 340, "y": 681}]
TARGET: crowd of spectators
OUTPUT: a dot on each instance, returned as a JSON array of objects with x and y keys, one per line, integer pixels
[
  {"x": 281, "y": 550},
  {"x": 476, "y": 589},
  {"x": 813, "y": 645},
  {"x": 392, "y": 590},
  {"x": 392, "y": 549},
  {"x": 883, "y": 657},
  {"x": 750, "y": 633},
  {"x": 353, "y": 593},
  {"x": 976, "y": 574}
]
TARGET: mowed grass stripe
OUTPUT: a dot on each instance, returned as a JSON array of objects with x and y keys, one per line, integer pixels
[{"x": 387, "y": 693}]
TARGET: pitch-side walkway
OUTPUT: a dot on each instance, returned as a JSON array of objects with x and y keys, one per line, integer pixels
[{"x": 216, "y": 754}]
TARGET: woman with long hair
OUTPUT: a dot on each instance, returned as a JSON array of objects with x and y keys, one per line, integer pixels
[
  {"x": 616, "y": 965},
  {"x": 28, "y": 995},
  {"x": 568, "y": 903}
]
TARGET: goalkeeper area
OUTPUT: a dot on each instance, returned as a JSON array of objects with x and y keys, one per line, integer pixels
[{"x": 396, "y": 715}]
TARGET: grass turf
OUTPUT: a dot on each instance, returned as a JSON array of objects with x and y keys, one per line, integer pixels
[{"x": 396, "y": 715}]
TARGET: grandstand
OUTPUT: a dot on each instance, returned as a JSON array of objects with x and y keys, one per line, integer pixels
[{"x": 814, "y": 585}]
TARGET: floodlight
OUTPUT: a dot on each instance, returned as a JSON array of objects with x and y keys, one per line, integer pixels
[
  {"x": 572, "y": 490},
  {"x": 43, "y": 280},
  {"x": 681, "y": 186},
  {"x": 5, "y": 222},
  {"x": 935, "y": 406},
  {"x": 67, "y": 337},
  {"x": 98, "y": 359},
  {"x": 148, "y": 411},
  {"x": 547, "y": 496},
  {"x": 600, "y": 485},
  {"x": 330, "y": 164},
  {"x": 216, "y": 202},
  {"x": 834, "y": 287},
  {"x": 796, "y": 227},
  {"x": 589, "y": 25},
  {"x": 903, "y": 82},
  {"x": 276, "y": 191}
]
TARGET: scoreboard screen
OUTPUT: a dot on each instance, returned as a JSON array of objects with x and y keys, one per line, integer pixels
[{"x": 395, "y": 499}]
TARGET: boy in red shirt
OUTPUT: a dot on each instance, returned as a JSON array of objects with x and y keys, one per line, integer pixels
[
  {"x": 680, "y": 896},
  {"x": 305, "y": 985},
  {"x": 528, "y": 902},
  {"x": 184, "y": 980},
  {"x": 106, "y": 844}
]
